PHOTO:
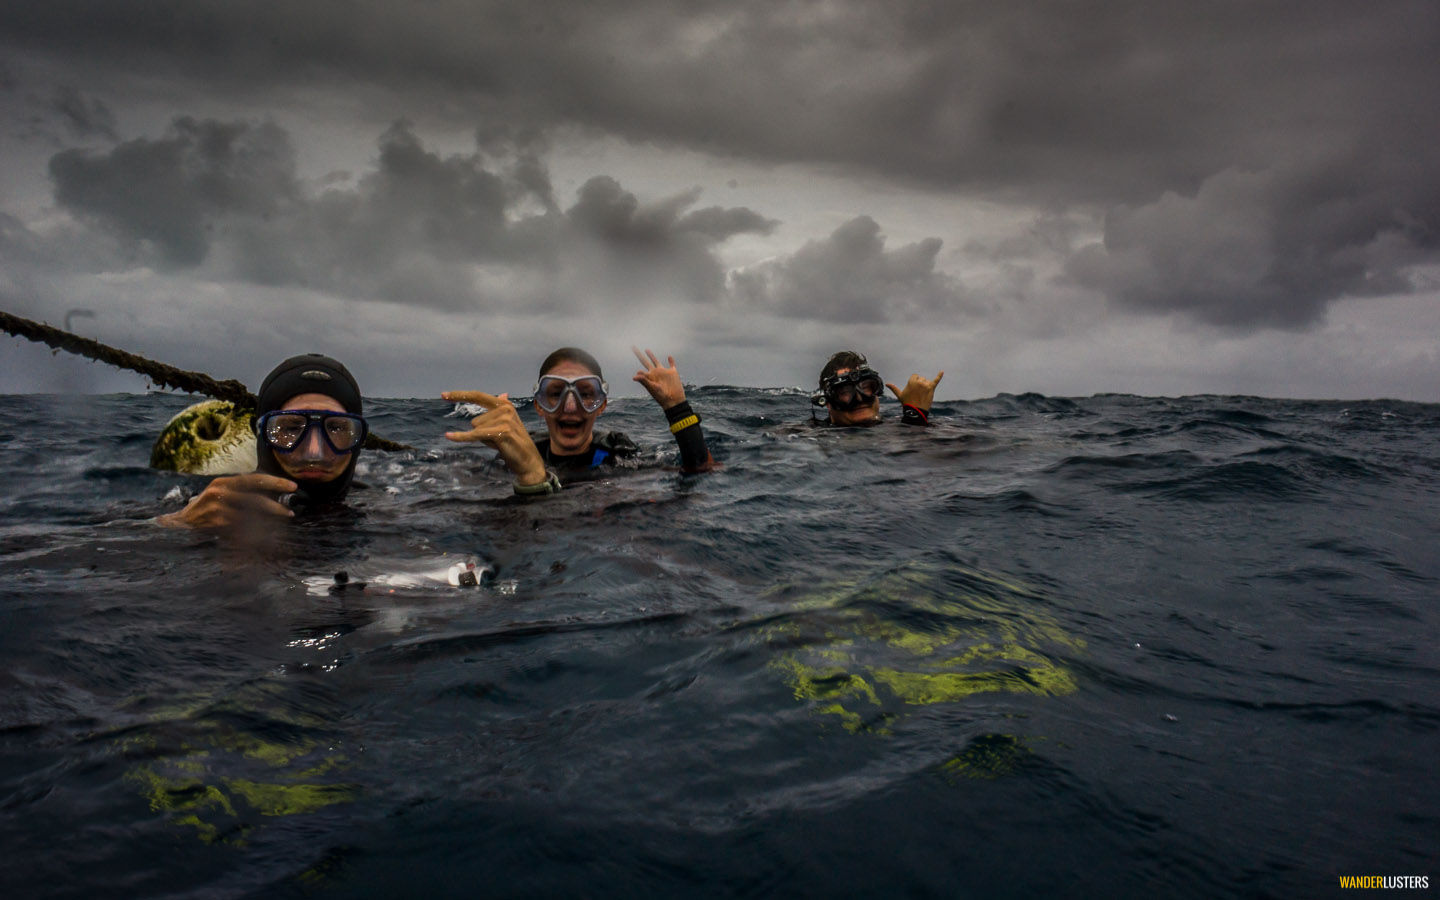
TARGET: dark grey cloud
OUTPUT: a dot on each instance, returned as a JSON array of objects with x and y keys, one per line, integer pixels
[
  {"x": 414, "y": 229},
  {"x": 1099, "y": 98},
  {"x": 718, "y": 223},
  {"x": 612, "y": 213},
  {"x": 851, "y": 277},
  {"x": 168, "y": 193},
  {"x": 1256, "y": 161},
  {"x": 608, "y": 210},
  {"x": 85, "y": 116},
  {"x": 1262, "y": 248},
  {"x": 658, "y": 250}
]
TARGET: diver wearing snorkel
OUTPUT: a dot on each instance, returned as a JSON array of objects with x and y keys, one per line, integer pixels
[
  {"x": 850, "y": 391},
  {"x": 570, "y": 394}
]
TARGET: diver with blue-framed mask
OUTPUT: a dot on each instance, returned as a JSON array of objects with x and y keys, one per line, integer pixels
[
  {"x": 850, "y": 392},
  {"x": 310, "y": 427},
  {"x": 570, "y": 393}
]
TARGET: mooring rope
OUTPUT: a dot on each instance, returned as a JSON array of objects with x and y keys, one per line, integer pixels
[{"x": 159, "y": 373}]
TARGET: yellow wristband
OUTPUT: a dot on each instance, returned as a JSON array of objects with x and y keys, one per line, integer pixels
[{"x": 684, "y": 424}]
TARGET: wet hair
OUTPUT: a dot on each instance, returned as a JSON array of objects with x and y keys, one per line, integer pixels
[
  {"x": 571, "y": 354},
  {"x": 845, "y": 359}
]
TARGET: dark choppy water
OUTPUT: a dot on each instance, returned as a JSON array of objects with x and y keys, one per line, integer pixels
[{"x": 1108, "y": 646}]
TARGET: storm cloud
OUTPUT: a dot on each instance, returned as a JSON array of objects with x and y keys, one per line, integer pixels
[
  {"x": 851, "y": 277},
  {"x": 1091, "y": 167},
  {"x": 1110, "y": 99},
  {"x": 1268, "y": 248},
  {"x": 167, "y": 193},
  {"x": 84, "y": 116},
  {"x": 420, "y": 228}
]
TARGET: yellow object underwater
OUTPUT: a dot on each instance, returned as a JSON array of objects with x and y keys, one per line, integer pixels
[
  {"x": 865, "y": 650},
  {"x": 206, "y": 772},
  {"x": 207, "y": 438}
]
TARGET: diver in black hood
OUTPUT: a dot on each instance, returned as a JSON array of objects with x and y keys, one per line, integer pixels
[
  {"x": 310, "y": 424},
  {"x": 310, "y": 430}
]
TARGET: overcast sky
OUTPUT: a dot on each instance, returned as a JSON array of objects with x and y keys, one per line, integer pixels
[{"x": 1072, "y": 197}]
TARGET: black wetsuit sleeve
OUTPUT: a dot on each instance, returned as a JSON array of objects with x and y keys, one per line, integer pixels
[
  {"x": 694, "y": 455},
  {"x": 914, "y": 415}
]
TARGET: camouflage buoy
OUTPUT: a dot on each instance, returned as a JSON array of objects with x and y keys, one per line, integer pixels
[{"x": 208, "y": 438}]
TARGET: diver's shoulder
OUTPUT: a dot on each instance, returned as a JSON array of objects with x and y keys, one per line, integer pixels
[{"x": 617, "y": 443}]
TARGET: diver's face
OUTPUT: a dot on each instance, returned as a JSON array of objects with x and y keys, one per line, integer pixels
[
  {"x": 312, "y": 459},
  {"x": 864, "y": 415},
  {"x": 571, "y": 427}
]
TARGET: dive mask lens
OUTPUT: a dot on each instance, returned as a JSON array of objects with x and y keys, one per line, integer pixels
[
  {"x": 854, "y": 389},
  {"x": 589, "y": 392},
  {"x": 285, "y": 429}
]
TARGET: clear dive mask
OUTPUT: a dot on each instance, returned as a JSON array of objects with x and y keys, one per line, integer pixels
[
  {"x": 286, "y": 429},
  {"x": 589, "y": 391}
]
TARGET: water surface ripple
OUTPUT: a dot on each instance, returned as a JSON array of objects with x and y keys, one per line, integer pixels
[{"x": 1115, "y": 645}]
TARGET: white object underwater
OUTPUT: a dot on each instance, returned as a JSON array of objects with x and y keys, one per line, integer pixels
[{"x": 465, "y": 572}]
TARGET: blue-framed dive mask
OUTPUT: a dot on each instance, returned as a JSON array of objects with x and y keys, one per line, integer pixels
[
  {"x": 286, "y": 429},
  {"x": 589, "y": 390}
]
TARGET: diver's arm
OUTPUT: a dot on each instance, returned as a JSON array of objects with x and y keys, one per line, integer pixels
[
  {"x": 663, "y": 383},
  {"x": 685, "y": 426},
  {"x": 500, "y": 427},
  {"x": 232, "y": 499},
  {"x": 917, "y": 398}
]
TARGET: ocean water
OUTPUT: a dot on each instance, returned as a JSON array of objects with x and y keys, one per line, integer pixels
[{"x": 1108, "y": 646}]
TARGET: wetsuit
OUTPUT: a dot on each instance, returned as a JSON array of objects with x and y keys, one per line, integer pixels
[
  {"x": 912, "y": 415},
  {"x": 606, "y": 450},
  {"x": 614, "y": 448}
]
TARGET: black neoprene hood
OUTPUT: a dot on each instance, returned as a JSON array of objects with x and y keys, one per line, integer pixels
[{"x": 310, "y": 373}]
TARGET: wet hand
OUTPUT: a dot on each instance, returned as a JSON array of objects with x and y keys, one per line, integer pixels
[
  {"x": 663, "y": 382},
  {"x": 233, "y": 500},
  {"x": 919, "y": 392},
  {"x": 500, "y": 427}
]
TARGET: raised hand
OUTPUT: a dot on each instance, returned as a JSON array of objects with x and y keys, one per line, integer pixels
[
  {"x": 500, "y": 427},
  {"x": 919, "y": 392},
  {"x": 663, "y": 382},
  {"x": 233, "y": 500}
]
